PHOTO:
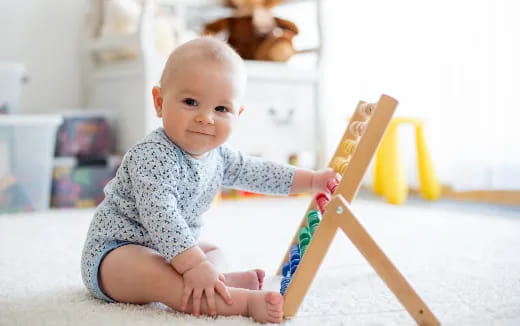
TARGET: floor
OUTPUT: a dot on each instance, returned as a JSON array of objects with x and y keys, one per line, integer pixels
[{"x": 462, "y": 259}]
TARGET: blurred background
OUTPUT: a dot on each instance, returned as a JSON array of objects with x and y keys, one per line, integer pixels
[{"x": 87, "y": 66}]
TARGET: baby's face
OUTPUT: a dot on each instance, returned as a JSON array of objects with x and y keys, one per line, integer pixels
[{"x": 200, "y": 105}]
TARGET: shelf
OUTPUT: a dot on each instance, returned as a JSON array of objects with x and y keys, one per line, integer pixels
[{"x": 268, "y": 70}]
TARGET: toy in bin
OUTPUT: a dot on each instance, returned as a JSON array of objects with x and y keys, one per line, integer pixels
[
  {"x": 84, "y": 135},
  {"x": 80, "y": 183},
  {"x": 13, "y": 197}
]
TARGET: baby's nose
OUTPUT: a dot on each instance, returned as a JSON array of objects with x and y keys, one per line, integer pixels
[{"x": 205, "y": 118}]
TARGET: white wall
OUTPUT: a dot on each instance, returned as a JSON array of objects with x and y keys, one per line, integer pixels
[
  {"x": 454, "y": 64},
  {"x": 44, "y": 35}
]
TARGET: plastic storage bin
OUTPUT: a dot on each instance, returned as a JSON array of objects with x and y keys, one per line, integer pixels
[
  {"x": 26, "y": 156},
  {"x": 84, "y": 134},
  {"x": 12, "y": 78},
  {"x": 80, "y": 183}
]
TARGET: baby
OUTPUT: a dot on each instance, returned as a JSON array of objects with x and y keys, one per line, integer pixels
[{"x": 143, "y": 242}]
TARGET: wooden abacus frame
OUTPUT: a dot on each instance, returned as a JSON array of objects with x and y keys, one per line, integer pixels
[{"x": 338, "y": 214}]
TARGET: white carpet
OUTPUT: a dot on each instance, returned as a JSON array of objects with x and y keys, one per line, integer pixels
[{"x": 464, "y": 261}]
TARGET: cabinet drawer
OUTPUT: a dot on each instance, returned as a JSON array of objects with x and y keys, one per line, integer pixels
[{"x": 279, "y": 120}]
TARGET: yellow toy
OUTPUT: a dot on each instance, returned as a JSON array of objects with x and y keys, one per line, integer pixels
[
  {"x": 389, "y": 177},
  {"x": 324, "y": 216}
]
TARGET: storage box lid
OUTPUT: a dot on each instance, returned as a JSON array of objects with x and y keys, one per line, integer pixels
[{"x": 52, "y": 120}]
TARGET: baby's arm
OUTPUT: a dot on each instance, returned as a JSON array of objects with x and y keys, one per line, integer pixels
[
  {"x": 310, "y": 180},
  {"x": 200, "y": 277},
  {"x": 267, "y": 177}
]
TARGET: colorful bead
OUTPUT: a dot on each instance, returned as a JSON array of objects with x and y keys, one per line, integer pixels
[
  {"x": 304, "y": 234},
  {"x": 313, "y": 219},
  {"x": 295, "y": 250},
  {"x": 366, "y": 109},
  {"x": 295, "y": 255},
  {"x": 286, "y": 268},
  {"x": 322, "y": 199},
  {"x": 286, "y": 280},
  {"x": 339, "y": 164},
  {"x": 303, "y": 248},
  {"x": 348, "y": 146},
  {"x": 331, "y": 186},
  {"x": 294, "y": 266},
  {"x": 357, "y": 128}
]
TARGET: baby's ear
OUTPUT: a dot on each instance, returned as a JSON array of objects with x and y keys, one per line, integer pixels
[
  {"x": 157, "y": 100},
  {"x": 240, "y": 110}
]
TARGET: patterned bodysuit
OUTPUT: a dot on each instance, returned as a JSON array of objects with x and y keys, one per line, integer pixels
[{"x": 159, "y": 193}]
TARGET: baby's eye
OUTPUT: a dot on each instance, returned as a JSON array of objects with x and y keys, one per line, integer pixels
[
  {"x": 190, "y": 102},
  {"x": 221, "y": 108}
]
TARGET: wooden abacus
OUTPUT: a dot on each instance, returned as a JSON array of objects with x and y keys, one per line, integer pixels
[{"x": 351, "y": 159}]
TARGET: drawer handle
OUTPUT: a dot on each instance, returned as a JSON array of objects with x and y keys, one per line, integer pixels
[{"x": 278, "y": 119}]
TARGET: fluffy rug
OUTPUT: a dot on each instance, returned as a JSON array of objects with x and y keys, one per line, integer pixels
[{"x": 463, "y": 260}]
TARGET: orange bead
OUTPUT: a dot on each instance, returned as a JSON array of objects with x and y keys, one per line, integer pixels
[
  {"x": 357, "y": 128},
  {"x": 366, "y": 109}
]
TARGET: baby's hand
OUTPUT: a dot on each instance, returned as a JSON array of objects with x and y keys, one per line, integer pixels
[
  {"x": 322, "y": 177},
  {"x": 203, "y": 279}
]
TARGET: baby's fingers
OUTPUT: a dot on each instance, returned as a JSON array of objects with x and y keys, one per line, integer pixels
[
  {"x": 186, "y": 297},
  {"x": 224, "y": 292},
  {"x": 210, "y": 297},
  {"x": 197, "y": 296},
  {"x": 222, "y": 277}
]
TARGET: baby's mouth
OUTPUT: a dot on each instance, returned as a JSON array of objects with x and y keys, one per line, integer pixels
[{"x": 200, "y": 132}]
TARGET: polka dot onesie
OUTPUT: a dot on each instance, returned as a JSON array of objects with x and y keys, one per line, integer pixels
[{"x": 159, "y": 193}]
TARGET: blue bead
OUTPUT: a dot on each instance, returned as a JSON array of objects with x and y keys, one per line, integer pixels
[
  {"x": 295, "y": 248},
  {"x": 294, "y": 267},
  {"x": 295, "y": 255},
  {"x": 286, "y": 268},
  {"x": 284, "y": 284}
]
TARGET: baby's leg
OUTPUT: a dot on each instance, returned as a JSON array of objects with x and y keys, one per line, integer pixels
[
  {"x": 253, "y": 279},
  {"x": 137, "y": 274}
]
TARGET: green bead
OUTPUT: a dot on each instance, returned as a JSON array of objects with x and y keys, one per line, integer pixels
[
  {"x": 313, "y": 217},
  {"x": 304, "y": 233}
]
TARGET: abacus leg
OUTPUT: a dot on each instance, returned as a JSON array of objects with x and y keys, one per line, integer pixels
[{"x": 343, "y": 216}]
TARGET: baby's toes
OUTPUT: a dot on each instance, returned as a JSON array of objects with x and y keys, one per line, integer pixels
[
  {"x": 274, "y": 310},
  {"x": 275, "y": 317},
  {"x": 261, "y": 275},
  {"x": 274, "y": 300}
]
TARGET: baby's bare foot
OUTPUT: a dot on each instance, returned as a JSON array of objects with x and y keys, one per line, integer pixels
[
  {"x": 265, "y": 307},
  {"x": 252, "y": 280}
]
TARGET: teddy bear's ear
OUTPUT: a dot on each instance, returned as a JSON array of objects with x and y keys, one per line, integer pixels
[{"x": 286, "y": 25}]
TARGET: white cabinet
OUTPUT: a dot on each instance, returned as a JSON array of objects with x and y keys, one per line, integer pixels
[{"x": 280, "y": 120}]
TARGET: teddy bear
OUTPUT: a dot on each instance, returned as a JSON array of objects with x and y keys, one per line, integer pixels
[{"x": 254, "y": 32}]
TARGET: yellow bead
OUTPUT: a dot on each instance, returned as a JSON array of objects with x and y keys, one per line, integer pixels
[
  {"x": 348, "y": 146},
  {"x": 339, "y": 164}
]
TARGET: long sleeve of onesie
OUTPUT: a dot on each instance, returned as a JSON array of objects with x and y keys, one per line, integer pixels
[
  {"x": 153, "y": 172},
  {"x": 255, "y": 174}
]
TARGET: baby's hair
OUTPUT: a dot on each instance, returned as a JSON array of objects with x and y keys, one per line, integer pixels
[{"x": 207, "y": 47}]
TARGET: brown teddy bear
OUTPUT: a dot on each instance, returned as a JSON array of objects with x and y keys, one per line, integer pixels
[{"x": 254, "y": 32}]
